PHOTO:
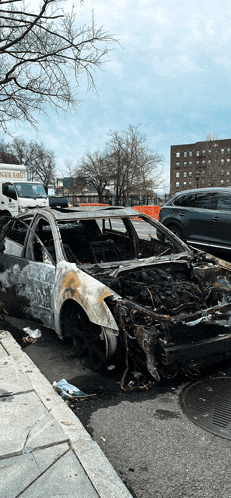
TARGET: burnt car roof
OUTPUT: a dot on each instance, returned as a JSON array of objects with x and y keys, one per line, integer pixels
[
  {"x": 88, "y": 212},
  {"x": 100, "y": 212}
]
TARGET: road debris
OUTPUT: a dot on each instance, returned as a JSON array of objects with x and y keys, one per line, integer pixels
[
  {"x": 28, "y": 340},
  {"x": 66, "y": 390},
  {"x": 35, "y": 334}
]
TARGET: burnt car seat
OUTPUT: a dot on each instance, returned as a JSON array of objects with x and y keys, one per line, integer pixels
[{"x": 105, "y": 251}]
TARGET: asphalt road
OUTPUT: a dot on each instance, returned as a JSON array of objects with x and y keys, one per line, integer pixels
[{"x": 157, "y": 451}]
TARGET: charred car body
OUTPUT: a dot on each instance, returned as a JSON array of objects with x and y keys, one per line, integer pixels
[{"x": 102, "y": 277}]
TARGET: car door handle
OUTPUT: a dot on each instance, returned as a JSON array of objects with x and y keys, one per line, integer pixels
[
  {"x": 181, "y": 214},
  {"x": 216, "y": 218}
]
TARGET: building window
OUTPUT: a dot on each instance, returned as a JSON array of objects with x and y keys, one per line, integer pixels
[
  {"x": 222, "y": 161},
  {"x": 177, "y": 174},
  {"x": 203, "y": 152},
  {"x": 203, "y": 182},
  {"x": 209, "y": 151},
  {"x": 190, "y": 153},
  {"x": 177, "y": 164},
  {"x": 222, "y": 172},
  {"x": 177, "y": 154},
  {"x": 228, "y": 150},
  {"x": 222, "y": 181},
  {"x": 185, "y": 174},
  {"x": 228, "y": 160},
  {"x": 185, "y": 184},
  {"x": 190, "y": 173},
  {"x": 177, "y": 184},
  {"x": 185, "y": 164},
  {"x": 197, "y": 163},
  {"x": 228, "y": 172},
  {"x": 189, "y": 184},
  {"x": 209, "y": 162},
  {"x": 190, "y": 163},
  {"x": 197, "y": 152},
  {"x": 185, "y": 154},
  {"x": 203, "y": 162},
  {"x": 222, "y": 151}
]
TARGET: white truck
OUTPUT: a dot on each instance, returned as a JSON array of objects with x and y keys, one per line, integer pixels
[{"x": 16, "y": 193}]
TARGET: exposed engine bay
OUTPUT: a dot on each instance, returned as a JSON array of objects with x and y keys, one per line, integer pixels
[{"x": 187, "y": 304}]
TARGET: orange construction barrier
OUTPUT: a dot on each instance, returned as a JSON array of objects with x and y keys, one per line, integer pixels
[{"x": 152, "y": 211}]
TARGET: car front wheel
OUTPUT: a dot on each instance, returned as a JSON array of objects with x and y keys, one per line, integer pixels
[{"x": 90, "y": 340}]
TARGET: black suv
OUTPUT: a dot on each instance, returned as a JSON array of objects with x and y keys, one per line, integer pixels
[
  {"x": 58, "y": 202},
  {"x": 201, "y": 217}
]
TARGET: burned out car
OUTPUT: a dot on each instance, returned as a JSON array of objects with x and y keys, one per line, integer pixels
[{"x": 101, "y": 276}]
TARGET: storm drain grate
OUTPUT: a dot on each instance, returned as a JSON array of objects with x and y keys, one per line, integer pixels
[{"x": 208, "y": 404}]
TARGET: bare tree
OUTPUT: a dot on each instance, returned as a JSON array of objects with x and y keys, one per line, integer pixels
[
  {"x": 6, "y": 154},
  {"x": 73, "y": 185},
  {"x": 126, "y": 167},
  {"x": 39, "y": 161},
  {"x": 41, "y": 165},
  {"x": 208, "y": 165},
  {"x": 136, "y": 169},
  {"x": 41, "y": 54},
  {"x": 96, "y": 169}
]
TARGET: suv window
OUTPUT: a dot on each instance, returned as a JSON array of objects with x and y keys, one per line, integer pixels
[
  {"x": 206, "y": 200},
  {"x": 182, "y": 200},
  {"x": 224, "y": 202}
]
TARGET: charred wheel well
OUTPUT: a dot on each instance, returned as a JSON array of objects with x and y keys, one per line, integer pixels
[{"x": 72, "y": 316}]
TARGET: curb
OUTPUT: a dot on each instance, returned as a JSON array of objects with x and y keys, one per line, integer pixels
[{"x": 102, "y": 475}]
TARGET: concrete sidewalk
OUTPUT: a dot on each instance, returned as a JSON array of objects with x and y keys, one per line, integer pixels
[{"x": 44, "y": 449}]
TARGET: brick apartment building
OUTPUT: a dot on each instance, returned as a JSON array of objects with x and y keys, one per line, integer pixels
[{"x": 202, "y": 164}]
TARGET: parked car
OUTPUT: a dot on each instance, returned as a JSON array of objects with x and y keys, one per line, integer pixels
[
  {"x": 200, "y": 217},
  {"x": 102, "y": 277},
  {"x": 58, "y": 201}
]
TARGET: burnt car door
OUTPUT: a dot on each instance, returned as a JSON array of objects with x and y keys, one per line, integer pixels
[
  {"x": 40, "y": 251},
  {"x": 27, "y": 272}
]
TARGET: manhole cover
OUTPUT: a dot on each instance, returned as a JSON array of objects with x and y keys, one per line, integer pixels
[{"x": 208, "y": 404}]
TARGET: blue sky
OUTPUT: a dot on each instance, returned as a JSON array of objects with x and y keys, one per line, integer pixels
[{"x": 170, "y": 75}]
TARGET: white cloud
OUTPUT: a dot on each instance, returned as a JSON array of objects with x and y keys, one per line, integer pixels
[{"x": 177, "y": 64}]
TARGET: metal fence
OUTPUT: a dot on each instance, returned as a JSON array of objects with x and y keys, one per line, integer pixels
[{"x": 156, "y": 200}]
